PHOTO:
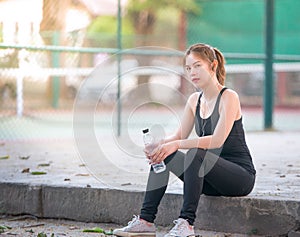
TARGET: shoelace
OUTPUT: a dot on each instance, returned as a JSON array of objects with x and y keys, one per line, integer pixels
[
  {"x": 178, "y": 228},
  {"x": 134, "y": 219}
]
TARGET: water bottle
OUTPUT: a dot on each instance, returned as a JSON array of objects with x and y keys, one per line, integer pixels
[{"x": 148, "y": 139}]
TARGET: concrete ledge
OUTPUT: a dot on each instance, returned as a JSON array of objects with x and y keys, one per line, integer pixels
[
  {"x": 89, "y": 204},
  {"x": 225, "y": 214},
  {"x": 17, "y": 199}
]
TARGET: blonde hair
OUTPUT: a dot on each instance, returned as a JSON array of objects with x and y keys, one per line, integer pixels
[{"x": 209, "y": 54}]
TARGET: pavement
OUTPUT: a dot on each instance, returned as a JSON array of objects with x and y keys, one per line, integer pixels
[{"x": 65, "y": 179}]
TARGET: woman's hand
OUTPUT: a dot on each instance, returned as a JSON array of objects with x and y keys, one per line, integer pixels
[
  {"x": 150, "y": 148},
  {"x": 162, "y": 151}
]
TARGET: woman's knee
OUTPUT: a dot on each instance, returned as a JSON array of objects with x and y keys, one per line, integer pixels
[
  {"x": 194, "y": 157},
  {"x": 177, "y": 155},
  {"x": 195, "y": 152}
]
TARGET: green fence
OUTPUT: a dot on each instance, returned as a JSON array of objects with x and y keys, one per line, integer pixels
[{"x": 47, "y": 77}]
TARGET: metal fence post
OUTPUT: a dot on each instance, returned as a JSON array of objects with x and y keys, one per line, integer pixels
[
  {"x": 269, "y": 83},
  {"x": 55, "y": 64},
  {"x": 20, "y": 101},
  {"x": 119, "y": 57}
]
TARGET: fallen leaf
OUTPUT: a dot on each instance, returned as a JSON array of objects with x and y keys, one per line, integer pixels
[
  {"x": 4, "y": 157},
  {"x": 95, "y": 230},
  {"x": 44, "y": 164},
  {"x": 26, "y": 170},
  {"x": 42, "y": 234},
  {"x": 125, "y": 184},
  {"x": 24, "y": 157},
  {"x": 5, "y": 227},
  {"x": 73, "y": 228},
  {"x": 82, "y": 175},
  {"x": 38, "y": 172}
]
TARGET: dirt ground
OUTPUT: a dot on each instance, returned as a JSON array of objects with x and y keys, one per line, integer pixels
[{"x": 31, "y": 226}]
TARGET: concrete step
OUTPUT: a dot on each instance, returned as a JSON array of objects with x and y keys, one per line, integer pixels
[{"x": 245, "y": 215}]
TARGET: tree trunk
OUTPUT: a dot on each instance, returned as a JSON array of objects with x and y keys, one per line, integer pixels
[
  {"x": 53, "y": 22},
  {"x": 144, "y": 22}
]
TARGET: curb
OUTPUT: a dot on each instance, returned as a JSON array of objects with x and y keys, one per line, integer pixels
[{"x": 246, "y": 215}]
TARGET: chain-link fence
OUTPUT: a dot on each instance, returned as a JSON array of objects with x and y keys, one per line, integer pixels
[{"x": 69, "y": 49}]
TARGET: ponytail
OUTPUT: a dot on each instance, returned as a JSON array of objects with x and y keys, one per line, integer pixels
[{"x": 221, "y": 73}]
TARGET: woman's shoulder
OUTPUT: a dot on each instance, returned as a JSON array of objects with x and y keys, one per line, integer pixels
[
  {"x": 230, "y": 102},
  {"x": 230, "y": 94},
  {"x": 193, "y": 98},
  {"x": 192, "y": 101}
]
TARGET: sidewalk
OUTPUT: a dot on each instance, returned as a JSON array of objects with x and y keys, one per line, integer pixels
[{"x": 74, "y": 187}]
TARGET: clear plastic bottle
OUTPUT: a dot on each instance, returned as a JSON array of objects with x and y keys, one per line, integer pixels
[{"x": 148, "y": 139}]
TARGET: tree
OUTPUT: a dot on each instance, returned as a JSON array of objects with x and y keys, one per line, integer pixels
[
  {"x": 143, "y": 15},
  {"x": 54, "y": 14},
  {"x": 53, "y": 30}
]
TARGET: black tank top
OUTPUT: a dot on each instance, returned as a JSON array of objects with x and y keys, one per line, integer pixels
[{"x": 234, "y": 148}]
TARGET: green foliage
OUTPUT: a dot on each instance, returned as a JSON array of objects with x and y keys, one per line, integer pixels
[
  {"x": 155, "y": 5},
  {"x": 145, "y": 14},
  {"x": 108, "y": 25},
  {"x": 102, "y": 31}
]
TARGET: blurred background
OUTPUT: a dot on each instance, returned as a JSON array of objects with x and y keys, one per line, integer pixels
[{"x": 49, "y": 48}]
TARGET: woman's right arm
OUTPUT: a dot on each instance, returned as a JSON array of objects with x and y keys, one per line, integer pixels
[
  {"x": 185, "y": 127},
  {"x": 187, "y": 121}
]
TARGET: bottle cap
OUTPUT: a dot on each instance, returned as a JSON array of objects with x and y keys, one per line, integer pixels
[{"x": 146, "y": 130}]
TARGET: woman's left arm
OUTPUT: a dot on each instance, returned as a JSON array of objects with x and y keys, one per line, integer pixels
[{"x": 229, "y": 110}]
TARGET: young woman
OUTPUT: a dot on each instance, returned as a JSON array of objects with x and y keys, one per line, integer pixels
[{"x": 218, "y": 161}]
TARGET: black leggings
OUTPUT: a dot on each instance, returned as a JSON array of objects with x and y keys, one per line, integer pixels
[{"x": 202, "y": 173}]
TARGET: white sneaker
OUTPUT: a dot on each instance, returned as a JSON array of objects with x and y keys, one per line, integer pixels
[
  {"x": 181, "y": 229},
  {"x": 136, "y": 227}
]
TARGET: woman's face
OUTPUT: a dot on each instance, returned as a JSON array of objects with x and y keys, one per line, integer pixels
[{"x": 198, "y": 70}]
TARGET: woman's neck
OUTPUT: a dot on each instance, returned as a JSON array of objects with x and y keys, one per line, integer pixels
[{"x": 211, "y": 91}]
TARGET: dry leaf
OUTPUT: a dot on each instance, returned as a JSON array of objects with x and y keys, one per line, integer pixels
[
  {"x": 4, "y": 157},
  {"x": 24, "y": 157},
  {"x": 26, "y": 170}
]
